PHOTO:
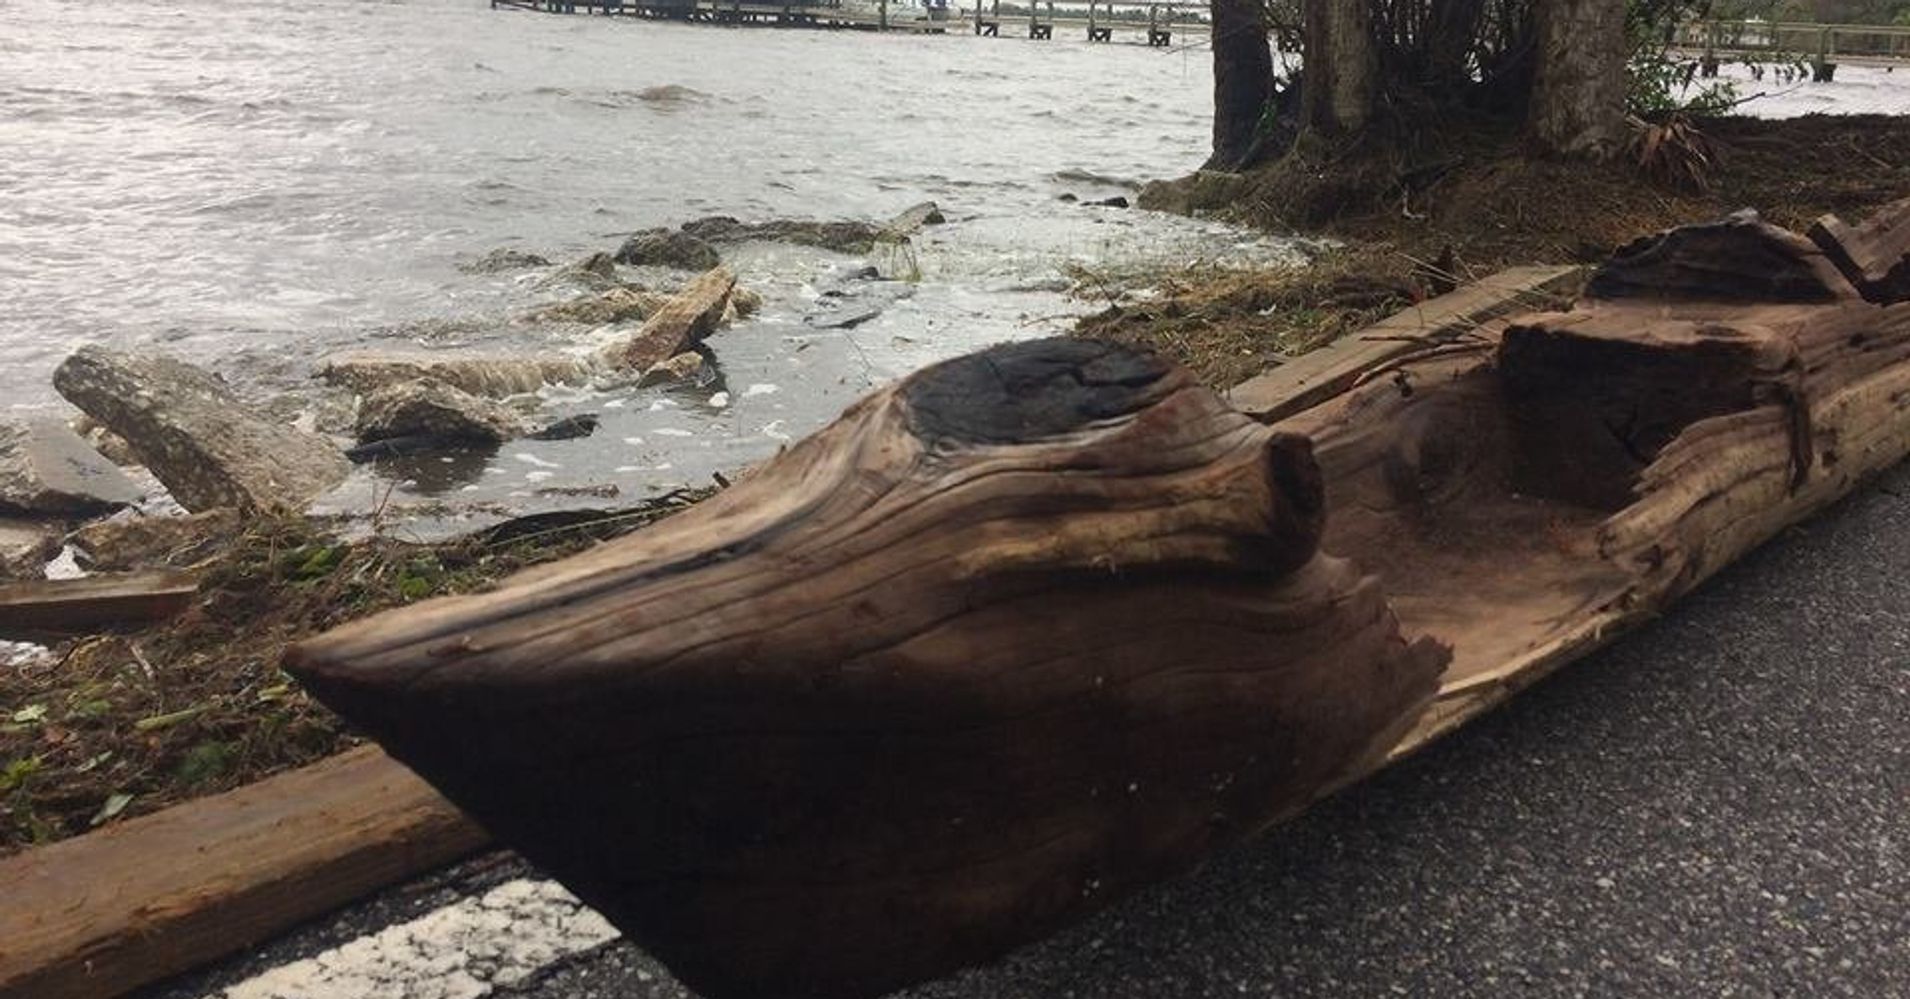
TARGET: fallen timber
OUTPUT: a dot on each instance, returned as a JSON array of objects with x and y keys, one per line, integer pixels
[
  {"x": 38, "y": 608},
  {"x": 102, "y": 931},
  {"x": 1033, "y": 628},
  {"x": 108, "y": 912}
]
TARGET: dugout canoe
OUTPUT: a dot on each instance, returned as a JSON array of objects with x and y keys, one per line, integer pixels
[{"x": 1033, "y": 628}]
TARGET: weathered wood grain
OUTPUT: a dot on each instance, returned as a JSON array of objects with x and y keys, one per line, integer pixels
[
  {"x": 1313, "y": 378},
  {"x": 858, "y": 692},
  {"x": 1014, "y": 637},
  {"x": 1034, "y": 627},
  {"x": 107, "y": 912},
  {"x": 41, "y": 607},
  {"x": 1875, "y": 255}
]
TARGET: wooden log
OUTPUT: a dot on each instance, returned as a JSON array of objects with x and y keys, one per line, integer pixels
[
  {"x": 1738, "y": 259},
  {"x": 1315, "y": 377},
  {"x": 40, "y": 607},
  {"x": 1598, "y": 464},
  {"x": 104, "y": 913},
  {"x": 1874, "y": 256},
  {"x": 1034, "y": 627},
  {"x": 1014, "y": 637}
]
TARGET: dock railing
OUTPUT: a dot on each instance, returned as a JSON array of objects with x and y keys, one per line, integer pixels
[
  {"x": 1095, "y": 19},
  {"x": 1822, "y": 46}
]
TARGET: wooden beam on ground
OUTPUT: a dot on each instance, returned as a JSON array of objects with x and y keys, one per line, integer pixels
[
  {"x": 1318, "y": 376},
  {"x": 39, "y": 607},
  {"x": 104, "y": 913},
  {"x": 1875, "y": 255}
]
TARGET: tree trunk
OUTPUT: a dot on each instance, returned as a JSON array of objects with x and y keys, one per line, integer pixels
[
  {"x": 1578, "y": 95},
  {"x": 1243, "y": 80},
  {"x": 1341, "y": 71}
]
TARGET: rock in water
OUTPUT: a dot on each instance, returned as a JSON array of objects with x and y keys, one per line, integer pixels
[
  {"x": 195, "y": 435},
  {"x": 615, "y": 305},
  {"x": 668, "y": 248},
  {"x": 492, "y": 377},
  {"x": 432, "y": 408},
  {"x": 47, "y": 468},
  {"x": 841, "y": 237},
  {"x": 678, "y": 326},
  {"x": 568, "y": 428},
  {"x": 503, "y": 259},
  {"x": 110, "y": 445},
  {"x": 26, "y": 546},
  {"x": 597, "y": 272},
  {"x": 684, "y": 367},
  {"x": 915, "y": 218},
  {"x": 745, "y": 301}
]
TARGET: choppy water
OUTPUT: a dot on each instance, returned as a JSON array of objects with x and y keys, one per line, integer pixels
[{"x": 255, "y": 185}]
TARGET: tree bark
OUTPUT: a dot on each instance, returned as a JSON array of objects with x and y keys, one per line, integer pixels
[
  {"x": 1341, "y": 71},
  {"x": 1578, "y": 94},
  {"x": 1243, "y": 79}
]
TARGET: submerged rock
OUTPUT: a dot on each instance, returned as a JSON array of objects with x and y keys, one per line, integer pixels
[
  {"x": 684, "y": 367},
  {"x": 842, "y": 237},
  {"x": 568, "y": 428},
  {"x": 671, "y": 93},
  {"x": 745, "y": 301},
  {"x": 47, "y": 468},
  {"x": 111, "y": 445},
  {"x": 612, "y": 306},
  {"x": 668, "y": 248},
  {"x": 597, "y": 272},
  {"x": 491, "y": 377},
  {"x": 186, "y": 425},
  {"x": 123, "y": 544},
  {"x": 26, "y": 546},
  {"x": 430, "y": 407},
  {"x": 503, "y": 259},
  {"x": 914, "y": 218}
]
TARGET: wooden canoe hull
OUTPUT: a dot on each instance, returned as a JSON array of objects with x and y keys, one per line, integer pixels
[{"x": 1036, "y": 627}]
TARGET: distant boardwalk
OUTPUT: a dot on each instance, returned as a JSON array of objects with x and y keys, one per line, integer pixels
[
  {"x": 1155, "y": 24},
  {"x": 1822, "y": 47}
]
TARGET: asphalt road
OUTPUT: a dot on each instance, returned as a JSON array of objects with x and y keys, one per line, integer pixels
[{"x": 1718, "y": 805}]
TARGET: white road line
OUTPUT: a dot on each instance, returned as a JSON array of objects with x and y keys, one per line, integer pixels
[{"x": 460, "y": 951}]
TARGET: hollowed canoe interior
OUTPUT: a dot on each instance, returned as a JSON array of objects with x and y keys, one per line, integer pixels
[{"x": 1474, "y": 488}]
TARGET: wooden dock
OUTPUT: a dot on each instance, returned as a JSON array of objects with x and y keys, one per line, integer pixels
[
  {"x": 1821, "y": 47},
  {"x": 1155, "y": 24}
]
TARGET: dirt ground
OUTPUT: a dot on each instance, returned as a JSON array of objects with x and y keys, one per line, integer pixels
[
  {"x": 1464, "y": 202},
  {"x": 123, "y": 724}
]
